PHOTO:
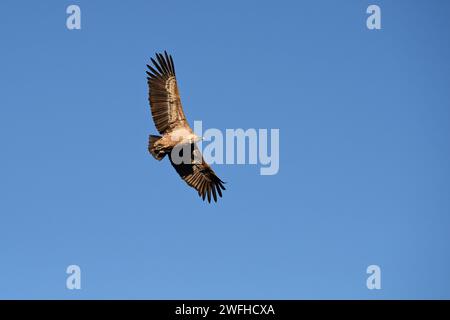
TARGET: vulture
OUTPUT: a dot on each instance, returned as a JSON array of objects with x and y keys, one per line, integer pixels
[{"x": 176, "y": 136}]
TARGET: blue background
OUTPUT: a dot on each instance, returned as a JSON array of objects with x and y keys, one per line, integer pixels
[{"x": 364, "y": 150}]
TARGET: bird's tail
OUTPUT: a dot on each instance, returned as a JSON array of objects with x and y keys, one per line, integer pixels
[{"x": 157, "y": 153}]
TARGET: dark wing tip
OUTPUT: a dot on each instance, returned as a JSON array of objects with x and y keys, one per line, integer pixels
[
  {"x": 164, "y": 65},
  {"x": 157, "y": 66},
  {"x": 212, "y": 190}
]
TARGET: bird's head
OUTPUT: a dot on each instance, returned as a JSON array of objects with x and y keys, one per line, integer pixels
[{"x": 195, "y": 138}]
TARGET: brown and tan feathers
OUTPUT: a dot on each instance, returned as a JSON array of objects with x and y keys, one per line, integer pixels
[
  {"x": 199, "y": 175},
  {"x": 165, "y": 102},
  {"x": 170, "y": 121}
]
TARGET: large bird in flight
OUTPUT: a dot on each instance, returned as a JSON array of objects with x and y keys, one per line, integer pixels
[{"x": 171, "y": 123}]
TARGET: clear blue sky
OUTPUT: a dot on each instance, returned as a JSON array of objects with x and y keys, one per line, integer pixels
[{"x": 364, "y": 119}]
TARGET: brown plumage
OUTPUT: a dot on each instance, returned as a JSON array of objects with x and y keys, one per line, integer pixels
[{"x": 171, "y": 123}]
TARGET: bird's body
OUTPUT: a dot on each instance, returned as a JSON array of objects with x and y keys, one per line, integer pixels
[
  {"x": 169, "y": 118},
  {"x": 175, "y": 137}
]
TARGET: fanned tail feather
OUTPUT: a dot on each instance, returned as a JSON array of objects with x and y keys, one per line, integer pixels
[{"x": 154, "y": 151}]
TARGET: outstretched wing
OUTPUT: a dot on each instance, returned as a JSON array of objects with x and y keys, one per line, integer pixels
[
  {"x": 198, "y": 174},
  {"x": 163, "y": 96}
]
